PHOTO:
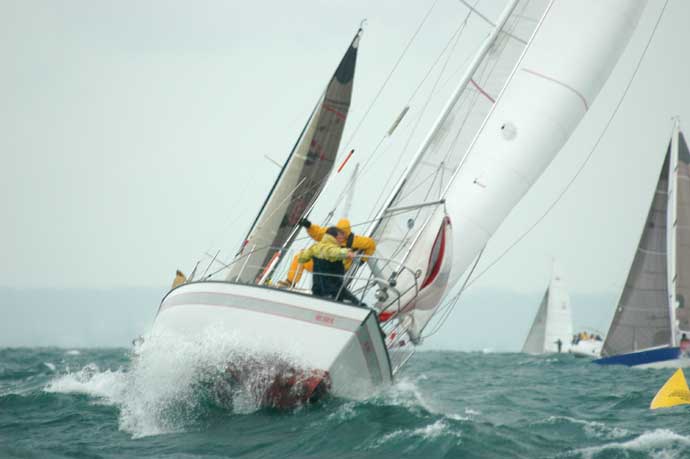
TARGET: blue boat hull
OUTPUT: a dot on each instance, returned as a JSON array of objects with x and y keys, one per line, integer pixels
[{"x": 649, "y": 357}]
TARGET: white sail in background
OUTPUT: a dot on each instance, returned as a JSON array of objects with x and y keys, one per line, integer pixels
[
  {"x": 551, "y": 87},
  {"x": 553, "y": 321},
  {"x": 534, "y": 344},
  {"x": 302, "y": 178}
]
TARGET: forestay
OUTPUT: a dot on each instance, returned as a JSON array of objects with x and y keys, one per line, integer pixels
[{"x": 301, "y": 179}]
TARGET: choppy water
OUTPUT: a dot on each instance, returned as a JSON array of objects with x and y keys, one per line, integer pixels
[{"x": 99, "y": 403}]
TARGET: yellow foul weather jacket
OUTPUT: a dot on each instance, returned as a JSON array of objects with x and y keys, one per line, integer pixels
[{"x": 326, "y": 249}]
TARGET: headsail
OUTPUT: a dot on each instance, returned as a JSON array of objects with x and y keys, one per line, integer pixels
[
  {"x": 413, "y": 223},
  {"x": 551, "y": 86},
  {"x": 534, "y": 344},
  {"x": 301, "y": 179},
  {"x": 642, "y": 317}
]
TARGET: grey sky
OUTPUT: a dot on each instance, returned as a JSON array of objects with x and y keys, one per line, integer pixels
[{"x": 132, "y": 134}]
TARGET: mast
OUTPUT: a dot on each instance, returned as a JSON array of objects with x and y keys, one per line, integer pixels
[
  {"x": 672, "y": 227},
  {"x": 445, "y": 112}
]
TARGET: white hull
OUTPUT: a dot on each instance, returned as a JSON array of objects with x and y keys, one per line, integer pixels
[
  {"x": 587, "y": 348},
  {"x": 314, "y": 333}
]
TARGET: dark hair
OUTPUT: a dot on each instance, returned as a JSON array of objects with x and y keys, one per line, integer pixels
[{"x": 334, "y": 231}]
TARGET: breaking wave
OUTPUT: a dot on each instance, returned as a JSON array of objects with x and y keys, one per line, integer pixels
[{"x": 174, "y": 385}]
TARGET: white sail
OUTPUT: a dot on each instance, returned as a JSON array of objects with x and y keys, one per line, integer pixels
[
  {"x": 412, "y": 228},
  {"x": 534, "y": 343},
  {"x": 301, "y": 179},
  {"x": 559, "y": 320},
  {"x": 553, "y": 322},
  {"x": 573, "y": 52},
  {"x": 563, "y": 67}
]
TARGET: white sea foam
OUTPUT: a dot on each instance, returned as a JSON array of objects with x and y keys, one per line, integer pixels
[
  {"x": 106, "y": 385},
  {"x": 659, "y": 444},
  {"x": 428, "y": 432},
  {"x": 344, "y": 413},
  {"x": 172, "y": 381},
  {"x": 73, "y": 352},
  {"x": 593, "y": 429},
  {"x": 50, "y": 366},
  {"x": 405, "y": 392}
]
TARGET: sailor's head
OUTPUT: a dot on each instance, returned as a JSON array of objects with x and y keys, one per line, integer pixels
[
  {"x": 337, "y": 233},
  {"x": 344, "y": 224}
]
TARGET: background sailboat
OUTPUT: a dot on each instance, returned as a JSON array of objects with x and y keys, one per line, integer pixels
[
  {"x": 652, "y": 314},
  {"x": 553, "y": 321}
]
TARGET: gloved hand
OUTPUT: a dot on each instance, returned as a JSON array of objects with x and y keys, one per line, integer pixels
[{"x": 304, "y": 222}]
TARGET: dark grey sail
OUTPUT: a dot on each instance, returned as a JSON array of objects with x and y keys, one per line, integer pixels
[
  {"x": 642, "y": 317},
  {"x": 301, "y": 179}
]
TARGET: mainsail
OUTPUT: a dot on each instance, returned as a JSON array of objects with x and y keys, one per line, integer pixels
[
  {"x": 301, "y": 179},
  {"x": 480, "y": 174},
  {"x": 553, "y": 321},
  {"x": 659, "y": 272}
]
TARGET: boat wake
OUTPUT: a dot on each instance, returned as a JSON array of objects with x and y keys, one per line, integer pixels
[{"x": 174, "y": 386}]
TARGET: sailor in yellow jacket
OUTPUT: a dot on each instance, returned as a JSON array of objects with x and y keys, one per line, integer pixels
[
  {"x": 328, "y": 256},
  {"x": 355, "y": 242}
]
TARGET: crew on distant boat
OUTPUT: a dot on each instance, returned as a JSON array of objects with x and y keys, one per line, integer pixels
[
  {"x": 559, "y": 344},
  {"x": 684, "y": 344},
  {"x": 328, "y": 257},
  {"x": 584, "y": 336},
  {"x": 363, "y": 244}
]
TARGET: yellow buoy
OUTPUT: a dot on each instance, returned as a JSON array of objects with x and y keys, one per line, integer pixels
[{"x": 674, "y": 392}]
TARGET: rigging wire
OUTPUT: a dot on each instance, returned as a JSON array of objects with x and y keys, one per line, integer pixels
[
  {"x": 390, "y": 75},
  {"x": 453, "y": 302},
  {"x": 372, "y": 155},
  {"x": 454, "y": 39}
]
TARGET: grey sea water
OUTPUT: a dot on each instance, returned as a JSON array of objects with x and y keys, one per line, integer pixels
[{"x": 97, "y": 403}]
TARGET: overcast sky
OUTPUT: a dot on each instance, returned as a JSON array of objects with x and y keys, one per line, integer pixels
[{"x": 132, "y": 133}]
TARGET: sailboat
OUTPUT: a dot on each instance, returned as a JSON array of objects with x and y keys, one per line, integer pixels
[
  {"x": 552, "y": 329},
  {"x": 652, "y": 316},
  {"x": 532, "y": 79}
]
